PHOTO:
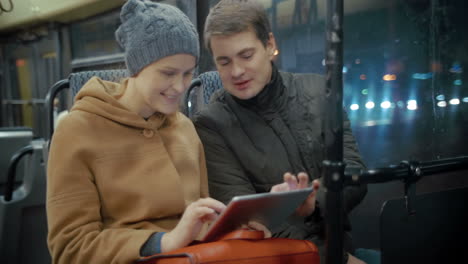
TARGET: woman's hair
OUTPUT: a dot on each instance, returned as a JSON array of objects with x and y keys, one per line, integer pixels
[{"x": 234, "y": 16}]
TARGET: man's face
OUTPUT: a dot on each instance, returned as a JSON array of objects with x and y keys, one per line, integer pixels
[{"x": 243, "y": 62}]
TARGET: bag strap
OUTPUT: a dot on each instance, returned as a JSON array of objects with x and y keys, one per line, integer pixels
[
  {"x": 236, "y": 234},
  {"x": 243, "y": 234},
  {"x": 153, "y": 258}
]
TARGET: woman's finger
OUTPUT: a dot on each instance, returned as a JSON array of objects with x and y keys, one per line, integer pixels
[{"x": 210, "y": 203}]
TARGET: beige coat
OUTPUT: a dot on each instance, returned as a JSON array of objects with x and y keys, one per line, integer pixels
[{"x": 115, "y": 178}]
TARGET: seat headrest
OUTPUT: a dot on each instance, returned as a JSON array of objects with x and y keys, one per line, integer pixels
[
  {"x": 78, "y": 79},
  {"x": 211, "y": 82}
]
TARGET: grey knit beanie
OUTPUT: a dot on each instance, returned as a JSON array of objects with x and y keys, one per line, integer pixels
[{"x": 151, "y": 31}]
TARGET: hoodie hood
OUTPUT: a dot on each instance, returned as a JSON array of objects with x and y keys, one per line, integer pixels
[{"x": 100, "y": 97}]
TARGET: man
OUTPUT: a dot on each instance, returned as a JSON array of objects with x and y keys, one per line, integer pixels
[{"x": 265, "y": 122}]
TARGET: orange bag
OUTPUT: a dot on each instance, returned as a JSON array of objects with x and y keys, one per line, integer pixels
[{"x": 241, "y": 247}]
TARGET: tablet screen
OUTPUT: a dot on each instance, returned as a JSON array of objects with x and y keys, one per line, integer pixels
[{"x": 269, "y": 209}]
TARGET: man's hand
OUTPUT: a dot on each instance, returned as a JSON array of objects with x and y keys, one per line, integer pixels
[
  {"x": 291, "y": 182},
  {"x": 259, "y": 227},
  {"x": 353, "y": 260}
]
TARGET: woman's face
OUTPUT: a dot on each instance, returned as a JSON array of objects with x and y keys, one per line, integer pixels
[{"x": 161, "y": 84}]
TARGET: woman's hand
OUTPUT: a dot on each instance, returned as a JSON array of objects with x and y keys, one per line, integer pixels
[
  {"x": 291, "y": 182},
  {"x": 195, "y": 215}
]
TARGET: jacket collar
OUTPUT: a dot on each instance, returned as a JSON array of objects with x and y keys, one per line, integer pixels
[{"x": 270, "y": 98}]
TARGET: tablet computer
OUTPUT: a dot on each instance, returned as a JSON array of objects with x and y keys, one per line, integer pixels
[{"x": 269, "y": 209}]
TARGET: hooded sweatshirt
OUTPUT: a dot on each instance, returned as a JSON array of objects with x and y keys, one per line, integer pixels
[{"x": 115, "y": 178}]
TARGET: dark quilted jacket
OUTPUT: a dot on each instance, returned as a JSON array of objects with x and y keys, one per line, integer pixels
[{"x": 250, "y": 144}]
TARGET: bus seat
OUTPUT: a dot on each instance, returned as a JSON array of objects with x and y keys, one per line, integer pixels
[
  {"x": 195, "y": 99},
  {"x": 74, "y": 82},
  {"x": 11, "y": 140},
  {"x": 78, "y": 79},
  {"x": 433, "y": 234},
  {"x": 211, "y": 82},
  {"x": 23, "y": 222}
]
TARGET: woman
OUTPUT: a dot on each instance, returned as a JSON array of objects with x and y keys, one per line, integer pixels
[{"x": 126, "y": 171}]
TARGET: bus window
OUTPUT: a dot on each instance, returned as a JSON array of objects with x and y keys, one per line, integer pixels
[{"x": 405, "y": 83}]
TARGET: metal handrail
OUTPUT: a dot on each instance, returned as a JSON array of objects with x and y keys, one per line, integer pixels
[{"x": 9, "y": 186}]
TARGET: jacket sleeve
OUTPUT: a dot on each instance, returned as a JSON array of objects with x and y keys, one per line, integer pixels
[
  {"x": 226, "y": 176},
  {"x": 352, "y": 195},
  {"x": 203, "y": 173},
  {"x": 76, "y": 229}
]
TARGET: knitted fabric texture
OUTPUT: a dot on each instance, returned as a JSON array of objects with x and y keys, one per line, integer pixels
[{"x": 151, "y": 31}]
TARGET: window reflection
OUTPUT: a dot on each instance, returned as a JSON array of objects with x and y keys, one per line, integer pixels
[
  {"x": 405, "y": 91},
  {"x": 404, "y": 79},
  {"x": 95, "y": 37}
]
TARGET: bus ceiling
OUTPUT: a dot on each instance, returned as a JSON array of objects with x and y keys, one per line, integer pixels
[{"x": 30, "y": 13}]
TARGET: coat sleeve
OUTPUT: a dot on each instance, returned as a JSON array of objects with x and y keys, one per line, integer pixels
[
  {"x": 352, "y": 195},
  {"x": 76, "y": 229},
  {"x": 226, "y": 176}
]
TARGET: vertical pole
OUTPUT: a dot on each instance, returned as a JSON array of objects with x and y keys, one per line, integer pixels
[
  {"x": 3, "y": 82},
  {"x": 206, "y": 60},
  {"x": 333, "y": 127}
]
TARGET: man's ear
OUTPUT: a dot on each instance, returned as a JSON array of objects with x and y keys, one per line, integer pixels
[{"x": 271, "y": 45}]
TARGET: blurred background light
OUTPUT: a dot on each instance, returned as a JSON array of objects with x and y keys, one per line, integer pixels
[
  {"x": 354, "y": 107},
  {"x": 370, "y": 105},
  {"x": 412, "y": 105},
  {"x": 454, "y": 101},
  {"x": 400, "y": 104},
  {"x": 389, "y": 77},
  {"x": 422, "y": 76},
  {"x": 386, "y": 104},
  {"x": 441, "y": 104},
  {"x": 456, "y": 68}
]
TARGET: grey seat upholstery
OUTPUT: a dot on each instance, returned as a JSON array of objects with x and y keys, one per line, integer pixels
[
  {"x": 78, "y": 79},
  {"x": 23, "y": 224},
  {"x": 211, "y": 82},
  {"x": 200, "y": 91},
  {"x": 74, "y": 82}
]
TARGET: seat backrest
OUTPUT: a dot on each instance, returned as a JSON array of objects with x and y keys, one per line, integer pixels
[
  {"x": 211, "y": 82},
  {"x": 12, "y": 139},
  {"x": 23, "y": 221},
  {"x": 433, "y": 234},
  {"x": 200, "y": 91},
  {"x": 74, "y": 82},
  {"x": 78, "y": 79}
]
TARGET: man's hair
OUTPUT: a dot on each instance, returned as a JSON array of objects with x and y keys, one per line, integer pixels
[{"x": 234, "y": 16}]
